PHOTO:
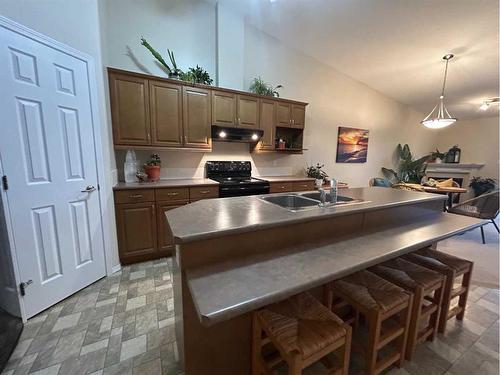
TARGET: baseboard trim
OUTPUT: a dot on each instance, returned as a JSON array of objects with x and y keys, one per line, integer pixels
[{"x": 116, "y": 268}]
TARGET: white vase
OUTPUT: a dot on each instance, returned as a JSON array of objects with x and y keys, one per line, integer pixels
[{"x": 318, "y": 182}]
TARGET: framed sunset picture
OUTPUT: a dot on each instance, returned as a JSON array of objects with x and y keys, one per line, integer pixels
[{"x": 352, "y": 145}]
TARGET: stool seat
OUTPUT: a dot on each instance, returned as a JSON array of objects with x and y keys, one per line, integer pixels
[
  {"x": 442, "y": 260},
  {"x": 372, "y": 291},
  {"x": 408, "y": 275},
  {"x": 302, "y": 323}
]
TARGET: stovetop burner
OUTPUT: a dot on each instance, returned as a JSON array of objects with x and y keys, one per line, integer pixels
[{"x": 235, "y": 178}]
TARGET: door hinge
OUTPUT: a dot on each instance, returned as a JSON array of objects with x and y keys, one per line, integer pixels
[
  {"x": 23, "y": 285},
  {"x": 5, "y": 182}
]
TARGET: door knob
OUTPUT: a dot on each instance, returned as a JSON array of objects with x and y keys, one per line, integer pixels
[{"x": 88, "y": 189}]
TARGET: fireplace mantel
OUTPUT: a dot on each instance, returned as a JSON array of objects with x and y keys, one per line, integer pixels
[{"x": 453, "y": 167}]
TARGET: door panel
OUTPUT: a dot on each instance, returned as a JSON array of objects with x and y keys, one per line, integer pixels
[
  {"x": 196, "y": 109},
  {"x": 136, "y": 227},
  {"x": 48, "y": 154},
  {"x": 129, "y": 97},
  {"x": 268, "y": 124},
  {"x": 165, "y": 239},
  {"x": 248, "y": 112},
  {"x": 223, "y": 108},
  {"x": 283, "y": 114},
  {"x": 166, "y": 114},
  {"x": 298, "y": 116}
]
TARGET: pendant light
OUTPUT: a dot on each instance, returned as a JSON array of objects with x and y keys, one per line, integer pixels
[{"x": 439, "y": 116}]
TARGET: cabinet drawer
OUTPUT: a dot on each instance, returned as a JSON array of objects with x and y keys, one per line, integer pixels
[
  {"x": 173, "y": 194},
  {"x": 280, "y": 187},
  {"x": 303, "y": 185},
  {"x": 203, "y": 192},
  {"x": 134, "y": 196}
]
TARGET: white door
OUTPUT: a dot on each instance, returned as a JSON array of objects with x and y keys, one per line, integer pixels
[{"x": 48, "y": 155}]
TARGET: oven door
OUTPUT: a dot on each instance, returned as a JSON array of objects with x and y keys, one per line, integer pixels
[{"x": 242, "y": 190}]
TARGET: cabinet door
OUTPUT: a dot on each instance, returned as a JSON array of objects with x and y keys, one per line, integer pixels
[
  {"x": 223, "y": 108},
  {"x": 298, "y": 116},
  {"x": 166, "y": 114},
  {"x": 267, "y": 123},
  {"x": 165, "y": 239},
  {"x": 283, "y": 114},
  {"x": 136, "y": 227},
  {"x": 129, "y": 97},
  {"x": 248, "y": 112},
  {"x": 196, "y": 119}
]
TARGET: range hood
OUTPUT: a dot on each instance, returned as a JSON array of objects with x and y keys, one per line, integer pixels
[{"x": 223, "y": 134}]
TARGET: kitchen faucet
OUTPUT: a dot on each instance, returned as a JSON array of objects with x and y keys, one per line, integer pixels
[{"x": 333, "y": 193}]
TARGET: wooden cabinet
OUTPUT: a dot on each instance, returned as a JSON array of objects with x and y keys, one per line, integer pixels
[
  {"x": 303, "y": 185},
  {"x": 166, "y": 114},
  {"x": 267, "y": 124},
  {"x": 129, "y": 97},
  {"x": 203, "y": 192},
  {"x": 298, "y": 115},
  {"x": 248, "y": 112},
  {"x": 283, "y": 117},
  {"x": 291, "y": 186},
  {"x": 223, "y": 109},
  {"x": 137, "y": 231},
  {"x": 280, "y": 187},
  {"x": 196, "y": 119},
  {"x": 165, "y": 239}
]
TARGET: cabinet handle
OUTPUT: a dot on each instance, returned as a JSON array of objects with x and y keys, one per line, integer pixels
[
  {"x": 172, "y": 194},
  {"x": 293, "y": 121},
  {"x": 135, "y": 196},
  {"x": 153, "y": 211},
  {"x": 239, "y": 121},
  {"x": 204, "y": 191}
]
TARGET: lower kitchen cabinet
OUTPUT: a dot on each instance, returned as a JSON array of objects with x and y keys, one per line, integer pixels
[
  {"x": 137, "y": 231},
  {"x": 165, "y": 240}
]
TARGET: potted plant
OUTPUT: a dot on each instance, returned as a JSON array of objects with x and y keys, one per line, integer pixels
[
  {"x": 482, "y": 185},
  {"x": 409, "y": 169},
  {"x": 437, "y": 156},
  {"x": 152, "y": 167},
  {"x": 173, "y": 72},
  {"x": 197, "y": 75},
  {"x": 259, "y": 87},
  {"x": 315, "y": 171}
]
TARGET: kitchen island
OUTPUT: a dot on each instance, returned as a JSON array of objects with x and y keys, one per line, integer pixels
[{"x": 236, "y": 255}]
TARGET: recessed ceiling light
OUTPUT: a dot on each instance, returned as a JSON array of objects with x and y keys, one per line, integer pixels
[{"x": 487, "y": 102}]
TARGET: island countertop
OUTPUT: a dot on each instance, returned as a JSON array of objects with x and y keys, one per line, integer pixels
[{"x": 218, "y": 217}]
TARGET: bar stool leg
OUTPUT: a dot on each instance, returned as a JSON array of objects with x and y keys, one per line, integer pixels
[
  {"x": 406, "y": 315},
  {"x": 374, "y": 323},
  {"x": 295, "y": 364},
  {"x": 416, "y": 311},
  {"x": 462, "y": 300},
  {"x": 346, "y": 353},
  {"x": 256, "y": 346},
  {"x": 434, "y": 318},
  {"x": 448, "y": 288}
]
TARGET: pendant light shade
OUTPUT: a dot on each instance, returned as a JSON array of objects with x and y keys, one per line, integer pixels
[{"x": 439, "y": 116}]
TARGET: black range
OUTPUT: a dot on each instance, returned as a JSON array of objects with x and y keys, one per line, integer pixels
[{"x": 235, "y": 178}]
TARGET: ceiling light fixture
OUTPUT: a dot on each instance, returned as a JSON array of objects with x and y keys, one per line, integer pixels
[
  {"x": 222, "y": 134},
  {"x": 255, "y": 137},
  {"x": 439, "y": 116},
  {"x": 487, "y": 102}
]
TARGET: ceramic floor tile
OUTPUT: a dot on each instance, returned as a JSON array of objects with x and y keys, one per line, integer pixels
[
  {"x": 133, "y": 347},
  {"x": 53, "y": 370},
  {"x": 134, "y": 303},
  {"x": 94, "y": 347},
  {"x": 66, "y": 321}
]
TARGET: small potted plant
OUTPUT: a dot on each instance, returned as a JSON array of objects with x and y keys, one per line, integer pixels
[
  {"x": 482, "y": 185},
  {"x": 152, "y": 167},
  {"x": 437, "y": 156},
  {"x": 315, "y": 171}
]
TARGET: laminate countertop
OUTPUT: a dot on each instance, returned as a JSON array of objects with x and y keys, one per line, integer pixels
[
  {"x": 223, "y": 216},
  {"x": 187, "y": 182},
  {"x": 285, "y": 178},
  {"x": 225, "y": 290}
]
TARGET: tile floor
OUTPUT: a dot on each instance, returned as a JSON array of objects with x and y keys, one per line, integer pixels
[{"x": 124, "y": 325}]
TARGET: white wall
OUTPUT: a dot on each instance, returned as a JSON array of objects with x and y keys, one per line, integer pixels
[
  {"x": 478, "y": 140},
  {"x": 185, "y": 26},
  {"x": 335, "y": 100},
  {"x": 76, "y": 23}
]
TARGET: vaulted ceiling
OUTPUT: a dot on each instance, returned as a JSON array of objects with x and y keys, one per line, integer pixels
[{"x": 395, "y": 46}]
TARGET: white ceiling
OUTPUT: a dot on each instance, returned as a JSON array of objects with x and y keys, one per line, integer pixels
[{"x": 395, "y": 46}]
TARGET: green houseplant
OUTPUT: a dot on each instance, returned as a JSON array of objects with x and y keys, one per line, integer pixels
[
  {"x": 482, "y": 185},
  {"x": 316, "y": 172},
  {"x": 409, "y": 169},
  {"x": 197, "y": 75},
  {"x": 152, "y": 167},
  {"x": 260, "y": 87}
]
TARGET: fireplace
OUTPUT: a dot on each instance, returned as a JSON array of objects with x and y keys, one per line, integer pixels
[{"x": 461, "y": 173}]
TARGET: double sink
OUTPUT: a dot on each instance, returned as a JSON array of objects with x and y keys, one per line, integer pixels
[{"x": 308, "y": 200}]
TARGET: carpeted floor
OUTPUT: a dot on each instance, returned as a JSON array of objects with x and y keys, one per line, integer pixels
[{"x": 485, "y": 257}]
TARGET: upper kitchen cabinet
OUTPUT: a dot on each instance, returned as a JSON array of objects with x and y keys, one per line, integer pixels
[
  {"x": 267, "y": 123},
  {"x": 223, "y": 108},
  {"x": 129, "y": 96},
  {"x": 166, "y": 114},
  {"x": 248, "y": 112},
  {"x": 196, "y": 118},
  {"x": 283, "y": 117},
  {"x": 298, "y": 115}
]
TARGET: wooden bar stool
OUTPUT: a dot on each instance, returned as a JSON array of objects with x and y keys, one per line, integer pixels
[
  {"x": 427, "y": 288},
  {"x": 302, "y": 331},
  {"x": 452, "y": 268},
  {"x": 377, "y": 300}
]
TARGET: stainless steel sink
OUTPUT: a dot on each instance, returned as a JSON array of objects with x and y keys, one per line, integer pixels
[
  {"x": 340, "y": 199},
  {"x": 291, "y": 202}
]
